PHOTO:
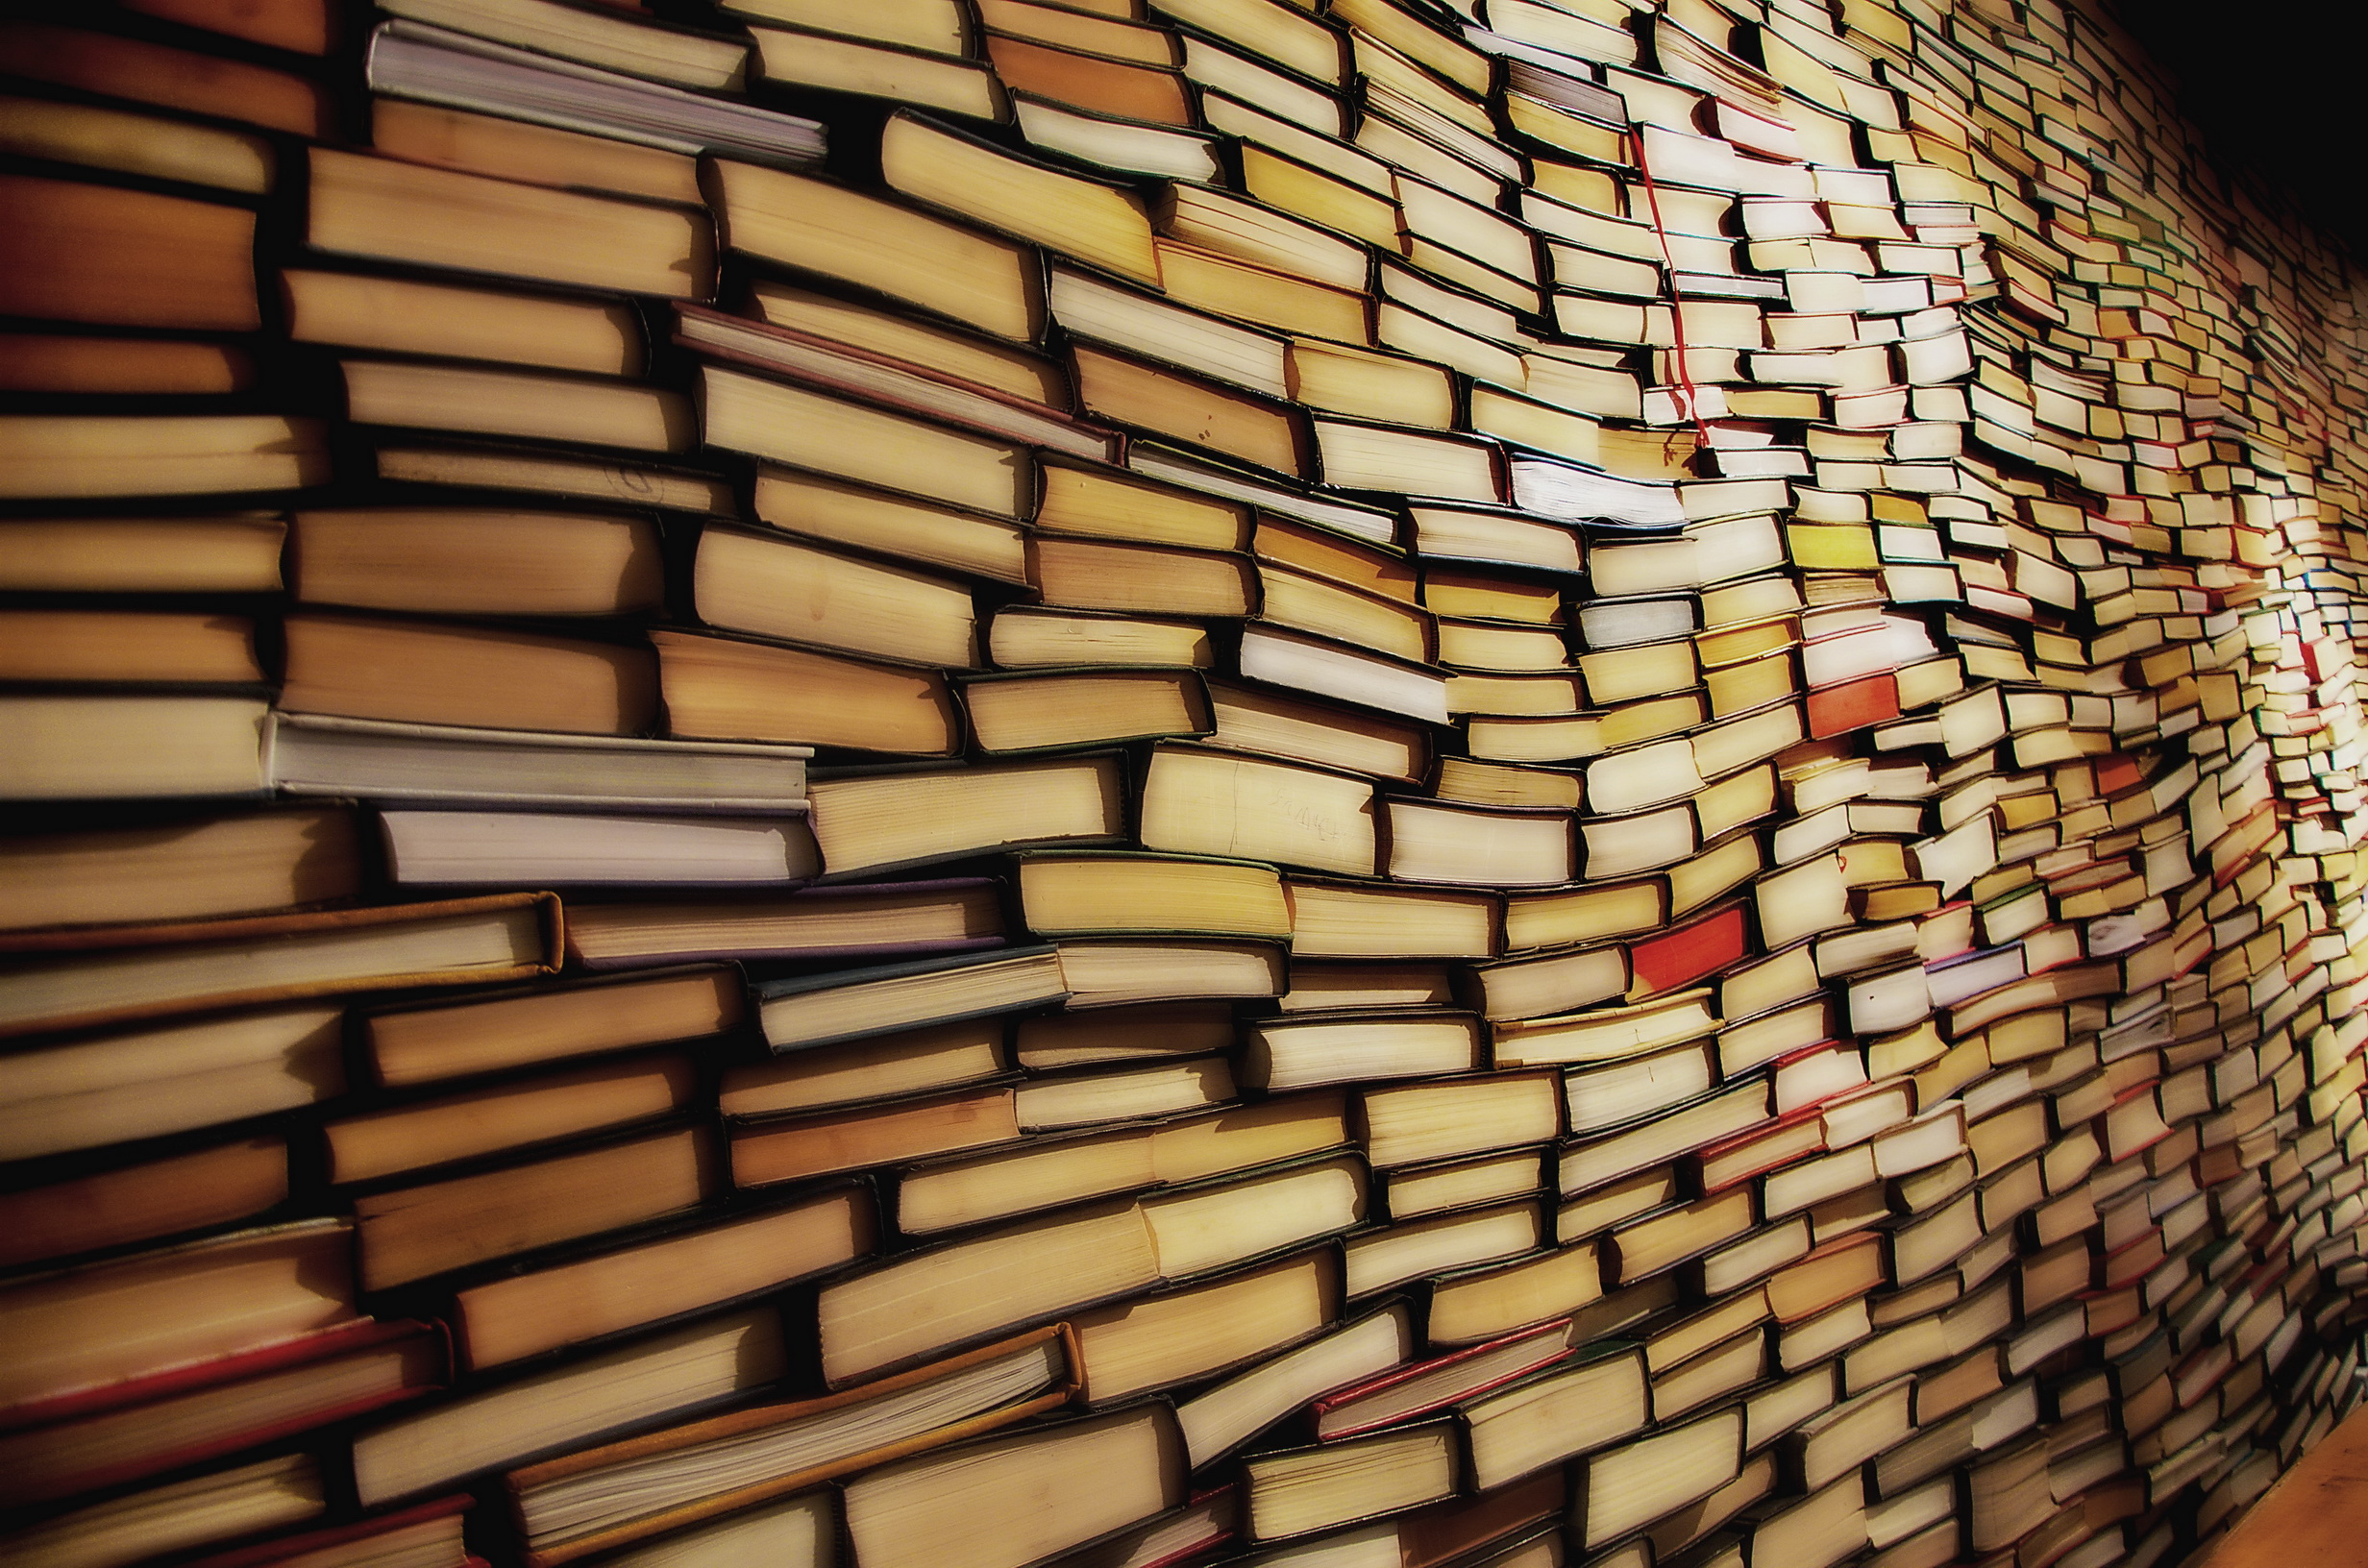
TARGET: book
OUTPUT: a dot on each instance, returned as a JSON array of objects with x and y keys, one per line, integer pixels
[
  {"x": 214, "y": 1297},
  {"x": 181, "y": 866},
  {"x": 494, "y": 1426},
  {"x": 412, "y": 1233},
  {"x": 1069, "y": 893},
  {"x": 100, "y": 1089},
  {"x": 128, "y": 746},
  {"x": 799, "y": 1014},
  {"x": 463, "y": 561},
  {"x": 143, "y": 70},
  {"x": 443, "y": 136},
  {"x": 803, "y": 62},
  {"x": 312, "y": 755},
  {"x": 469, "y": 676},
  {"x": 699, "y": 1264},
  {"x": 941, "y": 167},
  {"x": 599, "y": 1498},
  {"x": 373, "y": 1144},
  {"x": 430, "y": 1531},
  {"x": 1415, "y": 1390},
  {"x": 1187, "y": 1333},
  {"x": 1051, "y": 1266},
  {"x": 844, "y": 921},
  {"x": 198, "y": 1190},
  {"x": 144, "y": 972},
  {"x": 940, "y": 1508},
  {"x": 1043, "y": 1172},
  {"x": 89, "y": 646},
  {"x": 1207, "y": 803},
  {"x": 1595, "y": 1397},
  {"x": 959, "y": 273},
  {"x": 665, "y": 53},
  {"x": 415, "y": 59},
  {"x": 1054, "y": 710},
  {"x": 66, "y": 260},
  {"x": 206, "y": 1410},
  {"x": 89, "y": 456},
  {"x": 1291, "y": 1492},
  {"x": 745, "y": 691},
  {"x": 879, "y": 375},
  {"x": 201, "y": 1511},
  {"x": 393, "y": 212}
]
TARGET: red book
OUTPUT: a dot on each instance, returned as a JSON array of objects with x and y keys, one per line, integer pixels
[
  {"x": 2131, "y": 1262},
  {"x": 1202, "y": 1524},
  {"x": 1852, "y": 704},
  {"x": 1679, "y": 957},
  {"x": 1732, "y": 1161},
  {"x": 122, "y": 1431},
  {"x": 427, "y": 1535},
  {"x": 2116, "y": 772},
  {"x": 1405, "y": 1392}
]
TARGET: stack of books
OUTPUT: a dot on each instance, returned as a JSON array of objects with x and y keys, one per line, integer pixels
[{"x": 1393, "y": 784}]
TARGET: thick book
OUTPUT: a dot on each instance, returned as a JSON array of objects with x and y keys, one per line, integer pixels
[
  {"x": 819, "y": 1009},
  {"x": 555, "y": 849},
  {"x": 386, "y": 210},
  {"x": 86, "y": 253},
  {"x": 677, "y": 1268},
  {"x": 760, "y": 583},
  {"x": 398, "y": 1139},
  {"x": 123, "y": 745},
  {"x": 659, "y": 50},
  {"x": 499, "y": 1425},
  {"x": 877, "y": 376},
  {"x": 451, "y": 674},
  {"x": 1595, "y": 1396},
  {"x": 1404, "y": 1393},
  {"x": 424, "y": 1535},
  {"x": 1015, "y": 713},
  {"x": 740, "y": 689},
  {"x": 174, "y": 865},
  {"x": 188, "y": 1188},
  {"x": 598, "y": 1499},
  {"x": 412, "y": 59},
  {"x": 128, "y": 1431},
  {"x": 59, "y": 979},
  {"x": 195, "y": 1303},
  {"x": 414, "y": 1233},
  {"x": 846, "y": 921},
  {"x": 1292, "y": 1492},
  {"x": 314, "y": 754}
]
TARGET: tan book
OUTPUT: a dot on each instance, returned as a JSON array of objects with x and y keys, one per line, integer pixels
[
  {"x": 1096, "y": 223},
  {"x": 805, "y": 62},
  {"x": 76, "y": 977},
  {"x": 229, "y": 553},
  {"x": 477, "y": 562},
  {"x": 1170, "y": 402},
  {"x": 86, "y": 253},
  {"x": 503, "y": 1320},
  {"x": 430, "y": 672},
  {"x": 415, "y": 1232},
  {"x": 88, "y": 456},
  {"x": 597, "y": 1498},
  {"x": 1000, "y": 1500},
  {"x": 396, "y": 211},
  {"x": 979, "y": 279}
]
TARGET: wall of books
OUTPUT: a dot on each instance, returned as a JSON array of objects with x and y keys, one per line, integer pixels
[{"x": 965, "y": 783}]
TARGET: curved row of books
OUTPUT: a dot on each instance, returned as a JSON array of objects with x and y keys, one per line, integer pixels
[{"x": 990, "y": 783}]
